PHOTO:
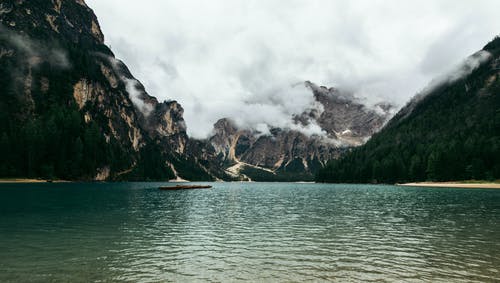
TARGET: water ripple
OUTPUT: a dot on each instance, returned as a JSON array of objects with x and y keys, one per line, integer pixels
[{"x": 248, "y": 232}]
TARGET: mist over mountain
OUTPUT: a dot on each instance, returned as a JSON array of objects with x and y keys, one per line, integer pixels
[
  {"x": 69, "y": 109},
  {"x": 336, "y": 122},
  {"x": 255, "y": 108},
  {"x": 247, "y": 60},
  {"x": 450, "y": 131},
  {"x": 249, "y": 140}
]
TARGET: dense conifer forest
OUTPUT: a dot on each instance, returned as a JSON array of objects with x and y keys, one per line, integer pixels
[{"x": 453, "y": 133}]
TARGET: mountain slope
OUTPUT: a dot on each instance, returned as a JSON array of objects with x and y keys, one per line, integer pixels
[
  {"x": 69, "y": 109},
  {"x": 291, "y": 155},
  {"x": 449, "y": 132}
]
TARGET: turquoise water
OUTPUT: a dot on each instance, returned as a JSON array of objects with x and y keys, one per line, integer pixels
[{"x": 259, "y": 232}]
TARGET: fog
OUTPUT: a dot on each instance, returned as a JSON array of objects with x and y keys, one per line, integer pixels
[{"x": 246, "y": 60}]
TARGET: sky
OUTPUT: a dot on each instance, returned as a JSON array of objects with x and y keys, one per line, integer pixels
[{"x": 247, "y": 59}]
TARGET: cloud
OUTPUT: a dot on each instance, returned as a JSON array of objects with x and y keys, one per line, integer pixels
[
  {"x": 466, "y": 67},
  {"x": 35, "y": 51},
  {"x": 133, "y": 87},
  {"x": 457, "y": 72},
  {"x": 241, "y": 58},
  {"x": 135, "y": 94}
]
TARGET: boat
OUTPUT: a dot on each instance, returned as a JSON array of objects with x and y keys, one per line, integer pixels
[{"x": 185, "y": 187}]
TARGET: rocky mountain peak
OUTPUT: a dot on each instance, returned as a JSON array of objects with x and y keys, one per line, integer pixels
[
  {"x": 345, "y": 120},
  {"x": 69, "y": 19},
  {"x": 345, "y": 117},
  {"x": 225, "y": 127}
]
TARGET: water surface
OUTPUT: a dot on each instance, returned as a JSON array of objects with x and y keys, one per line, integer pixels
[{"x": 263, "y": 232}]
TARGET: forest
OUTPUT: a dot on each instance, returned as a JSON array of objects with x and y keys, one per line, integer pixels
[
  {"x": 44, "y": 135},
  {"x": 453, "y": 133}
]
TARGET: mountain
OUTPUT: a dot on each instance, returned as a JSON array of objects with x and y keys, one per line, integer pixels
[
  {"x": 450, "y": 131},
  {"x": 345, "y": 118},
  {"x": 290, "y": 154},
  {"x": 69, "y": 109}
]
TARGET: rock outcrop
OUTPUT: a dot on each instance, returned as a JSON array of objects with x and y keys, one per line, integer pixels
[
  {"x": 69, "y": 109},
  {"x": 287, "y": 154},
  {"x": 53, "y": 56}
]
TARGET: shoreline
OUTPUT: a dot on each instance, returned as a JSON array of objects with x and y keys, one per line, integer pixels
[
  {"x": 464, "y": 185},
  {"x": 29, "y": 181}
]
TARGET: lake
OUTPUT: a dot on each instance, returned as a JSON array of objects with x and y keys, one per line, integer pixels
[{"x": 260, "y": 232}]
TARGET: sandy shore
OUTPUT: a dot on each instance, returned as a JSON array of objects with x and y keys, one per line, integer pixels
[
  {"x": 454, "y": 185},
  {"x": 28, "y": 181}
]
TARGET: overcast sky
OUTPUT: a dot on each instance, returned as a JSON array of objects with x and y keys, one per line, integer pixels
[{"x": 243, "y": 59}]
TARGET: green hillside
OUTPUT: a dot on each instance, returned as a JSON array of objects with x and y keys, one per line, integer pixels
[{"x": 452, "y": 133}]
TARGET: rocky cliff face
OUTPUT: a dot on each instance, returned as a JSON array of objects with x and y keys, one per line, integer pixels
[
  {"x": 69, "y": 109},
  {"x": 345, "y": 117},
  {"x": 53, "y": 57},
  {"x": 288, "y": 154}
]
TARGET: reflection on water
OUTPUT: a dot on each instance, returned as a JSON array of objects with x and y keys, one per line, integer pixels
[{"x": 255, "y": 232}]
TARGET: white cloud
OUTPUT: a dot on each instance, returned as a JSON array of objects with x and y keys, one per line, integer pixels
[
  {"x": 465, "y": 68},
  {"x": 36, "y": 52},
  {"x": 132, "y": 87},
  {"x": 240, "y": 58}
]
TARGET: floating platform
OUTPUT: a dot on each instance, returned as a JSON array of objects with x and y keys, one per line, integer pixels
[{"x": 185, "y": 187}]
